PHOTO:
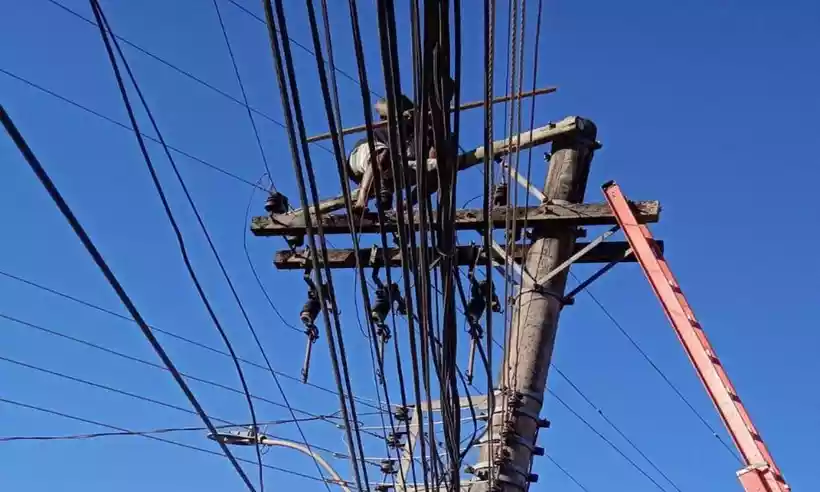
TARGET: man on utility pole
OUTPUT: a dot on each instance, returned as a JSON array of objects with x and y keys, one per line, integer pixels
[{"x": 516, "y": 414}]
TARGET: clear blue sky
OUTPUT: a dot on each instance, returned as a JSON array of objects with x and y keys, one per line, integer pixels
[{"x": 710, "y": 109}]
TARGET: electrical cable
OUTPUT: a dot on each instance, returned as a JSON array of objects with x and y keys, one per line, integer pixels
[
  {"x": 366, "y": 102},
  {"x": 659, "y": 371},
  {"x": 398, "y": 154},
  {"x": 97, "y": 435},
  {"x": 123, "y": 125},
  {"x": 105, "y": 29},
  {"x": 45, "y": 180},
  {"x": 616, "y": 428},
  {"x": 204, "y": 229},
  {"x": 242, "y": 89},
  {"x": 607, "y": 441},
  {"x": 172, "y": 66},
  {"x": 489, "y": 49},
  {"x": 300, "y": 45},
  {"x": 146, "y": 399},
  {"x": 297, "y": 167},
  {"x": 145, "y": 362},
  {"x": 333, "y": 114},
  {"x": 567, "y": 473},
  {"x": 173, "y": 335},
  {"x": 159, "y": 439}
]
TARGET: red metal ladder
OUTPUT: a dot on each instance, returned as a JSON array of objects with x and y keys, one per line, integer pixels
[{"x": 760, "y": 473}]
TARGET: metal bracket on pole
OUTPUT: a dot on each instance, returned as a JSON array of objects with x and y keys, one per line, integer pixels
[
  {"x": 580, "y": 253},
  {"x": 595, "y": 276}
]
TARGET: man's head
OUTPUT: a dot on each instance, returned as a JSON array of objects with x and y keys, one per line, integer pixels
[{"x": 405, "y": 104}]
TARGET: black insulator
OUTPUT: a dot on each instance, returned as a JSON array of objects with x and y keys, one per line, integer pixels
[
  {"x": 476, "y": 305},
  {"x": 500, "y": 192},
  {"x": 388, "y": 467},
  {"x": 381, "y": 306},
  {"x": 276, "y": 203},
  {"x": 295, "y": 241},
  {"x": 311, "y": 309},
  {"x": 394, "y": 440},
  {"x": 401, "y": 307},
  {"x": 402, "y": 414}
]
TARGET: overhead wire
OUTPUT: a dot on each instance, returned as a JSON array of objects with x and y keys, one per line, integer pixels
[
  {"x": 567, "y": 473},
  {"x": 171, "y": 334},
  {"x": 123, "y": 125},
  {"x": 97, "y": 435},
  {"x": 404, "y": 255},
  {"x": 138, "y": 360},
  {"x": 617, "y": 429},
  {"x": 178, "y": 69},
  {"x": 155, "y": 438},
  {"x": 284, "y": 92},
  {"x": 47, "y": 183},
  {"x": 147, "y": 399},
  {"x": 211, "y": 244},
  {"x": 407, "y": 239},
  {"x": 333, "y": 113},
  {"x": 515, "y": 86},
  {"x": 286, "y": 55},
  {"x": 242, "y": 90},
  {"x": 105, "y": 29},
  {"x": 660, "y": 372},
  {"x": 608, "y": 442},
  {"x": 489, "y": 48}
]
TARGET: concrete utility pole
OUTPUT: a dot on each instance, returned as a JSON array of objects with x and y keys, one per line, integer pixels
[{"x": 516, "y": 421}]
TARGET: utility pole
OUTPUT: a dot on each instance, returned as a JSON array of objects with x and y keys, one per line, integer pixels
[
  {"x": 516, "y": 416},
  {"x": 555, "y": 224}
]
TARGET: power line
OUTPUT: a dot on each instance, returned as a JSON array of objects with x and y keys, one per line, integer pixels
[
  {"x": 658, "y": 370},
  {"x": 181, "y": 71},
  {"x": 48, "y": 184},
  {"x": 97, "y": 435},
  {"x": 616, "y": 428},
  {"x": 166, "y": 332},
  {"x": 567, "y": 473},
  {"x": 242, "y": 89},
  {"x": 286, "y": 98},
  {"x": 155, "y": 438},
  {"x": 105, "y": 29},
  {"x": 144, "y": 362},
  {"x": 301, "y": 46},
  {"x": 145, "y": 399},
  {"x": 606, "y": 440},
  {"x": 88, "y": 110}
]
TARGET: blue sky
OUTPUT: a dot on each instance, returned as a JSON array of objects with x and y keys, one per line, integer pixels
[{"x": 710, "y": 109}]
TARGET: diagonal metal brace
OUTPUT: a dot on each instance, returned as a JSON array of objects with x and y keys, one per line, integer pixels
[
  {"x": 595, "y": 276},
  {"x": 580, "y": 253}
]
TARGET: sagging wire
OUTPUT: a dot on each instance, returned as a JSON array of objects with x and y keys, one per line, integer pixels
[
  {"x": 399, "y": 163},
  {"x": 103, "y": 266},
  {"x": 279, "y": 54},
  {"x": 108, "y": 41},
  {"x": 489, "y": 47},
  {"x": 365, "y": 93}
]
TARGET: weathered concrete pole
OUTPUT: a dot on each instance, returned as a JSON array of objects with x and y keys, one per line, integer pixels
[{"x": 534, "y": 323}]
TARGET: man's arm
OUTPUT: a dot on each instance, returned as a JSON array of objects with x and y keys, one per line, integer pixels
[{"x": 364, "y": 190}]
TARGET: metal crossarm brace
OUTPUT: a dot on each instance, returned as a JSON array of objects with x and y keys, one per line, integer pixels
[{"x": 761, "y": 474}]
